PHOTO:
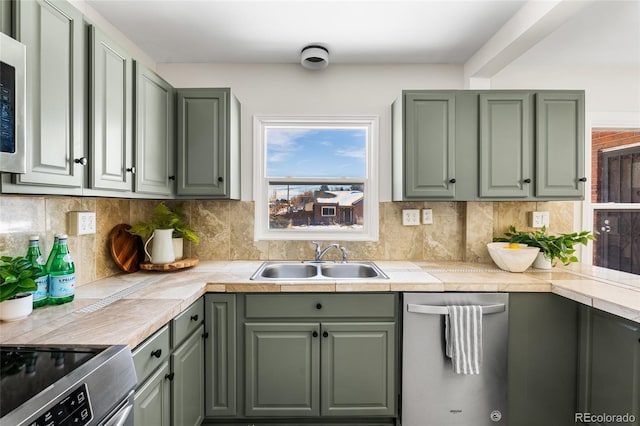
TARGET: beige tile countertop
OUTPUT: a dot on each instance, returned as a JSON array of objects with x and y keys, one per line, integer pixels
[{"x": 128, "y": 308}]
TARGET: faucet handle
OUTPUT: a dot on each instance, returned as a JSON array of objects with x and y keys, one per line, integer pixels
[
  {"x": 317, "y": 249},
  {"x": 344, "y": 254}
]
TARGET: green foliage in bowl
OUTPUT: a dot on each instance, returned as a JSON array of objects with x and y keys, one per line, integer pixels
[{"x": 16, "y": 276}]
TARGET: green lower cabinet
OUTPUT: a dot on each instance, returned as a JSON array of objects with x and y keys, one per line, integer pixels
[
  {"x": 282, "y": 368},
  {"x": 187, "y": 397},
  {"x": 542, "y": 359},
  {"x": 609, "y": 368},
  {"x": 152, "y": 401},
  {"x": 357, "y": 364}
]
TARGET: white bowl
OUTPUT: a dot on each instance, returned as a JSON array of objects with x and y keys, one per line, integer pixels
[{"x": 512, "y": 260}]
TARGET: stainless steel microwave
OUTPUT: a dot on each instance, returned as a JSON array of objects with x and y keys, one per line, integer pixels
[{"x": 13, "y": 157}]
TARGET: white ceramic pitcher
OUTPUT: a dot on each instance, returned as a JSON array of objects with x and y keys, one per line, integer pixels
[{"x": 162, "y": 247}]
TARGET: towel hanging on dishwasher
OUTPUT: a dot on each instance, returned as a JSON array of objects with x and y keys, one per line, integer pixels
[{"x": 463, "y": 336}]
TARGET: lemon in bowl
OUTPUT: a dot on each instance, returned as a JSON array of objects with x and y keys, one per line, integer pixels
[{"x": 512, "y": 257}]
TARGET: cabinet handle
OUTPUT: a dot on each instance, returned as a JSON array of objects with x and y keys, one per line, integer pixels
[
  {"x": 582, "y": 179},
  {"x": 314, "y": 334},
  {"x": 527, "y": 180},
  {"x": 194, "y": 317},
  {"x": 172, "y": 177},
  {"x": 82, "y": 161},
  {"x": 132, "y": 170},
  {"x": 452, "y": 180},
  {"x": 220, "y": 179},
  {"x": 205, "y": 335},
  {"x": 325, "y": 334},
  {"x": 318, "y": 305},
  {"x": 169, "y": 376},
  {"x": 157, "y": 353}
]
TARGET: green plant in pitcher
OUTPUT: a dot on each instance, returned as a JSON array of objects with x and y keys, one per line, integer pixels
[{"x": 165, "y": 218}]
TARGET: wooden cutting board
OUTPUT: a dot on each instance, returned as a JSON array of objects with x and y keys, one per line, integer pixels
[
  {"x": 126, "y": 249},
  {"x": 173, "y": 266}
]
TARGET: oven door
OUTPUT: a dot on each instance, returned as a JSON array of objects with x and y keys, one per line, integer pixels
[{"x": 122, "y": 415}]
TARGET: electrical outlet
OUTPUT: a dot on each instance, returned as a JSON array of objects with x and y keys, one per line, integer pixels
[
  {"x": 411, "y": 217},
  {"x": 539, "y": 219},
  {"x": 82, "y": 223},
  {"x": 427, "y": 216}
]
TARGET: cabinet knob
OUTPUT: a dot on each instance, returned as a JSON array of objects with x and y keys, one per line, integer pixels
[
  {"x": 582, "y": 179},
  {"x": 205, "y": 335},
  {"x": 220, "y": 179},
  {"x": 318, "y": 305},
  {"x": 314, "y": 334},
  {"x": 452, "y": 180},
  {"x": 325, "y": 334},
  {"x": 132, "y": 170},
  {"x": 194, "y": 317},
  {"x": 527, "y": 180},
  {"x": 157, "y": 353},
  {"x": 169, "y": 376},
  {"x": 172, "y": 177},
  {"x": 82, "y": 161}
]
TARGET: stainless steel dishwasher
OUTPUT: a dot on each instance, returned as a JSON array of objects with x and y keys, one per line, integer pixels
[{"x": 432, "y": 394}]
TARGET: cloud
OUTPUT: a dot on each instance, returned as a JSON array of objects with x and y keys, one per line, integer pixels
[{"x": 352, "y": 153}]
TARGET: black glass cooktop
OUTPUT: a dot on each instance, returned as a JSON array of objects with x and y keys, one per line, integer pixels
[{"x": 26, "y": 371}]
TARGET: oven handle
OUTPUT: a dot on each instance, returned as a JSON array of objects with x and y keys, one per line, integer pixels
[
  {"x": 442, "y": 310},
  {"x": 120, "y": 418}
]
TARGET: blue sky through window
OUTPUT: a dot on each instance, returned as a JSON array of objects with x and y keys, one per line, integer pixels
[{"x": 316, "y": 152}]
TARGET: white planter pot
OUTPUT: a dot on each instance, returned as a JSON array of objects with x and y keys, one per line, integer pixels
[
  {"x": 542, "y": 262},
  {"x": 18, "y": 308},
  {"x": 178, "y": 248}
]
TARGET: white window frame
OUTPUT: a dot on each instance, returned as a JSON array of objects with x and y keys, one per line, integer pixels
[{"x": 369, "y": 231}]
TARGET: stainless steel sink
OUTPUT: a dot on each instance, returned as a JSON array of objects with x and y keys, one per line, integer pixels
[{"x": 321, "y": 271}]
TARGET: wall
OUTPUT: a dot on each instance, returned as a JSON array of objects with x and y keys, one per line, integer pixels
[{"x": 460, "y": 230}]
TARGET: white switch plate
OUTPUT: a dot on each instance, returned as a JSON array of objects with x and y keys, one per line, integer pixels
[
  {"x": 411, "y": 217},
  {"x": 82, "y": 223},
  {"x": 539, "y": 219},
  {"x": 427, "y": 216}
]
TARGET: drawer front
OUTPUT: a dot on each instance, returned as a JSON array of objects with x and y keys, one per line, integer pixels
[
  {"x": 151, "y": 353},
  {"x": 321, "y": 305},
  {"x": 185, "y": 323}
]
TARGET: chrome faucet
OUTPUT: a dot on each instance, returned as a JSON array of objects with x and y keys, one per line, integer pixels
[{"x": 321, "y": 252}]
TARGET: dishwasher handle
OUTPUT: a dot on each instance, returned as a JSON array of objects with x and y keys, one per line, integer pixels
[{"x": 442, "y": 310}]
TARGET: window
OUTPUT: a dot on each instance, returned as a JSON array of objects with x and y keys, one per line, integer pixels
[{"x": 314, "y": 178}]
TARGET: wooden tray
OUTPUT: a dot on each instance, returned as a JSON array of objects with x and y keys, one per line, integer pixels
[
  {"x": 126, "y": 249},
  {"x": 173, "y": 266}
]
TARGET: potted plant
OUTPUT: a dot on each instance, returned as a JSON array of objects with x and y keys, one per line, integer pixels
[
  {"x": 553, "y": 248},
  {"x": 165, "y": 218},
  {"x": 16, "y": 287}
]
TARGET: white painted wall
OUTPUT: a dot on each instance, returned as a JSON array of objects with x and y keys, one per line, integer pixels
[{"x": 289, "y": 89}]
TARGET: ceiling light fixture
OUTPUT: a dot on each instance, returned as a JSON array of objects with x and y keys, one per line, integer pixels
[{"x": 314, "y": 57}]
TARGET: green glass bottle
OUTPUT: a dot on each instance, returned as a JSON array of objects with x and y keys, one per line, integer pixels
[
  {"x": 52, "y": 254},
  {"x": 40, "y": 296},
  {"x": 62, "y": 275}
]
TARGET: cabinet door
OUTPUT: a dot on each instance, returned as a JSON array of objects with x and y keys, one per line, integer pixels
[
  {"x": 111, "y": 93},
  {"x": 358, "y": 369},
  {"x": 54, "y": 34},
  {"x": 506, "y": 145},
  {"x": 152, "y": 400},
  {"x": 220, "y": 355},
  {"x": 282, "y": 368},
  {"x": 154, "y": 133},
  {"x": 5, "y": 18},
  {"x": 207, "y": 152},
  {"x": 429, "y": 145},
  {"x": 560, "y": 144},
  {"x": 610, "y": 366},
  {"x": 187, "y": 363}
]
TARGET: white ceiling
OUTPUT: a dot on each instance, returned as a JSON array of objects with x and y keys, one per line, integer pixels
[{"x": 358, "y": 31}]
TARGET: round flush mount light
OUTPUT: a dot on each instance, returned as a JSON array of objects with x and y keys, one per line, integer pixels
[{"x": 314, "y": 57}]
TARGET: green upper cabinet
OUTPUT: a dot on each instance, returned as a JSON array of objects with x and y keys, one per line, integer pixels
[
  {"x": 506, "y": 144},
  {"x": 6, "y": 22},
  {"x": 208, "y": 144},
  {"x": 111, "y": 114},
  {"x": 53, "y": 32},
  {"x": 467, "y": 145},
  {"x": 560, "y": 144},
  {"x": 154, "y": 133},
  {"x": 430, "y": 145}
]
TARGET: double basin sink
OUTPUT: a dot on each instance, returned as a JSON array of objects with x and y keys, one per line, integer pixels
[{"x": 312, "y": 270}]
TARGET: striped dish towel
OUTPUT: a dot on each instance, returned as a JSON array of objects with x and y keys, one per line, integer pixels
[{"x": 463, "y": 335}]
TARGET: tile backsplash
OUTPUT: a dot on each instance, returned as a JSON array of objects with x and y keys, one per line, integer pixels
[{"x": 459, "y": 232}]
